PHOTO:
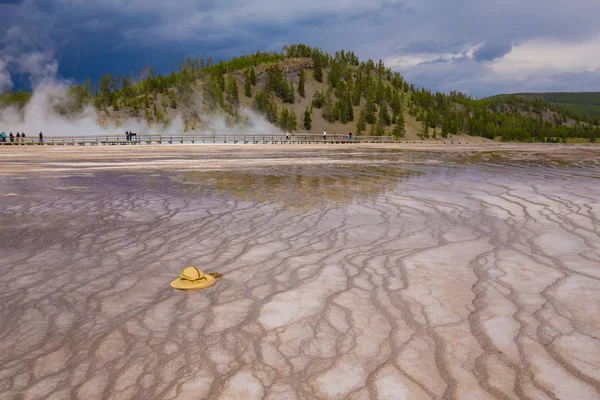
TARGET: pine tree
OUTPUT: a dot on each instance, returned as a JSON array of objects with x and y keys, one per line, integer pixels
[
  {"x": 398, "y": 131},
  {"x": 274, "y": 80},
  {"x": 396, "y": 103},
  {"x": 247, "y": 85},
  {"x": 284, "y": 118},
  {"x": 106, "y": 88},
  {"x": 400, "y": 123},
  {"x": 343, "y": 111},
  {"x": 431, "y": 118},
  {"x": 361, "y": 125},
  {"x": 252, "y": 76},
  {"x": 307, "y": 119},
  {"x": 301, "y": 83},
  {"x": 356, "y": 95},
  {"x": 377, "y": 129},
  {"x": 318, "y": 68},
  {"x": 327, "y": 109},
  {"x": 291, "y": 98},
  {"x": 372, "y": 131},
  {"x": 335, "y": 112},
  {"x": 349, "y": 109},
  {"x": 370, "y": 110},
  {"x": 292, "y": 121},
  {"x": 318, "y": 99},
  {"x": 126, "y": 88},
  {"x": 384, "y": 115},
  {"x": 424, "y": 129},
  {"x": 445, "y": 128},
  {"x": 272, "y": 112},
  {"x": 233, "y": 96},
  {"x": 221, "y": 81}
]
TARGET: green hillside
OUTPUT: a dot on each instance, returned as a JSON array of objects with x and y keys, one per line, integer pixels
[
  {"x": 306, "y": 89},
  {"x": 582, "y": 98},
  {"x": 575, "y": 103}
]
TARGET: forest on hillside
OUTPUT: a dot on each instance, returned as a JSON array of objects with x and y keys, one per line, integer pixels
[
  {"x": 364, "y": 95},
  {"x": 583, "y": 98},
  {"x": 583, "y": 104}
]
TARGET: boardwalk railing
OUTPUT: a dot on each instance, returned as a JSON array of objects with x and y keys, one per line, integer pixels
[{"x": 199, "y": 138}]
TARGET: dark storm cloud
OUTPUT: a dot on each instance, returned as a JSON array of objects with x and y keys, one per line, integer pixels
[
  {"x": 430, "y": 46},
  {"x": 492, "y": 51},
  {"x": 452, "y": 38}
]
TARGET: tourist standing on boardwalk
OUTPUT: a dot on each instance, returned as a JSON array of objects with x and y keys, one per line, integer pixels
[
  {"x": 23, "y": 137},
  {"x": 18, "y": 137},
  {"x": 324, "y": 135},
  {"x": 41, "y": 138},
  {"x": 11, "y": 137},
  {"x": 350, "y": 136}
]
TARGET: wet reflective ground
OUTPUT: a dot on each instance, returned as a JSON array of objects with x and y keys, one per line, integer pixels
[{"x": 347, "y": 274}]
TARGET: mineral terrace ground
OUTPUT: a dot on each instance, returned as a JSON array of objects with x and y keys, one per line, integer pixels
[{"x": 350, "y": 272}]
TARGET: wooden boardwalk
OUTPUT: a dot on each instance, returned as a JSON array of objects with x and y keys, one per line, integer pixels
[{"x": 199, "y": 139}]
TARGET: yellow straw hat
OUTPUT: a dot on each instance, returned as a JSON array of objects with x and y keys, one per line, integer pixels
[{"x": 193, "y": 278}]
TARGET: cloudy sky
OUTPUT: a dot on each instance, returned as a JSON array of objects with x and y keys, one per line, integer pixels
[{"x": 481, "y": 47}]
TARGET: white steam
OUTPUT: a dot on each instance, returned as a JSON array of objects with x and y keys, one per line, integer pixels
[
  {"x": 251, "y": 123},
  {"x": 5, "y": 81}
]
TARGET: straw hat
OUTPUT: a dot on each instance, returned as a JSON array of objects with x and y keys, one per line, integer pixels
[{"x": 193, "y": 278}]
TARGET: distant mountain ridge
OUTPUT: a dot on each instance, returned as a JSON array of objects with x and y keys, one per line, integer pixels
[
  {"x": 588, "y": 98},
  {"x": 578, "y": 103}
]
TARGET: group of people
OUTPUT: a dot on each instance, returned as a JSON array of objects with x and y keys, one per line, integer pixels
[
  {"x": 287, "y": 135},
  {"x": 325, "y": 135},
  {"x": 18, "y": 138},
  {"x": 130, "y": 135}
]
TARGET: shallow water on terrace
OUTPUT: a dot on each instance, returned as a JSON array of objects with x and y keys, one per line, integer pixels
[{"x": 346, "y": 274}]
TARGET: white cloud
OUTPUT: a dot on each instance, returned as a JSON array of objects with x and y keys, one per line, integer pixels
[
  {"x": 539, "y": 54},
  {"x": 415, "y": 59}
]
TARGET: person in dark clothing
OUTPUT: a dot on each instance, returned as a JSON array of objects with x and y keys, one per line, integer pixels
[
  {"x": 127, "y": 135},
  {"x": 18, "y": 137},
  {"x": 11, "y": 137},
  {"x": 23, "y": 137},
  {"x": 350, "y": 136},
  {"x": 41, "y": 138}
]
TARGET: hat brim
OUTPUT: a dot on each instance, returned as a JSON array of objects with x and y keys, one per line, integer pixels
[{"x": 189, "y": 285}]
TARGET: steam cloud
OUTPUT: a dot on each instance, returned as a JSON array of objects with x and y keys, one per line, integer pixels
[{"x": 49, "y": 91}]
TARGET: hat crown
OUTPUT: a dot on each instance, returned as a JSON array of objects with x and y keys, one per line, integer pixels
[{"x": 191, "y": 274}]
